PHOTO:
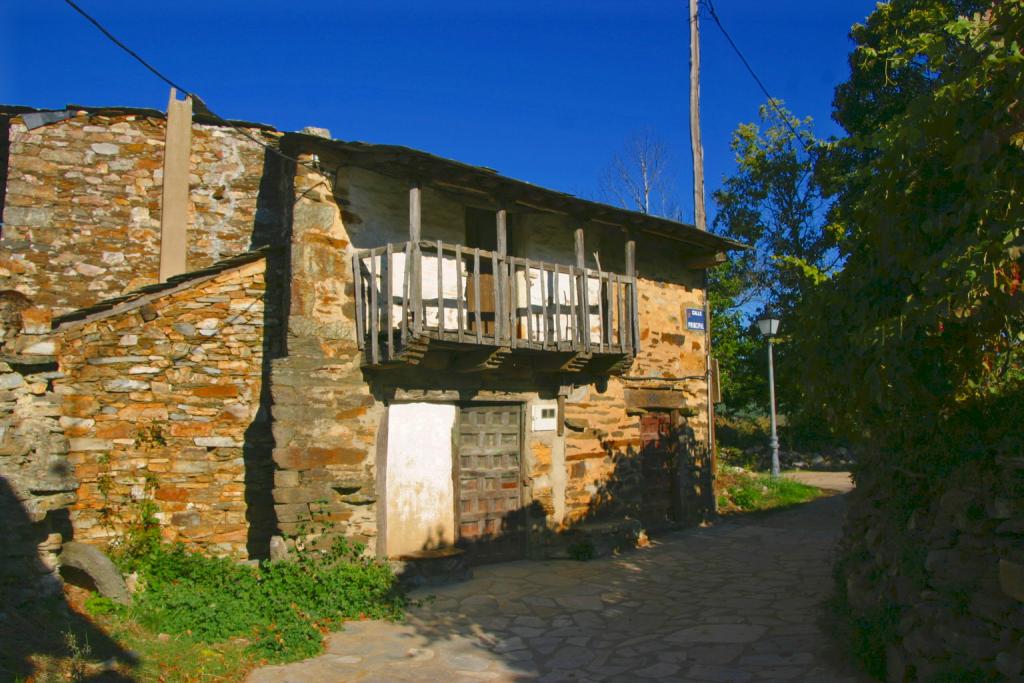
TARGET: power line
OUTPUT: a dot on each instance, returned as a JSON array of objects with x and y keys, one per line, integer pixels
[
  {"x": 750, "y": 69},
  {"x": 110, "y": 36},
  {"x": 124, "y": 47}
]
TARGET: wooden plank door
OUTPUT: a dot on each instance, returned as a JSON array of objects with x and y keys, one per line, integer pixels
[
  {"x": 492, "y": 518},
  {"x": 658, "y": 461}
]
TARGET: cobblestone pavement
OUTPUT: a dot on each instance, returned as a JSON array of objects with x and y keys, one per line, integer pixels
[{"x": 738, "y": 601}]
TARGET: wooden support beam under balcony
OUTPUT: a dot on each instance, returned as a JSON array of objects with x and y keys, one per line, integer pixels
[{"x": 480, "y": 361}]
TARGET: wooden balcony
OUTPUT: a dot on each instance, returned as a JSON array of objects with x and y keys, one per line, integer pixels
[{"x": 486, "y": 310}]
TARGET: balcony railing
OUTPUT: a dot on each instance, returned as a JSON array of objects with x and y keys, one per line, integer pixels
[{"x": 409, "y": 292}]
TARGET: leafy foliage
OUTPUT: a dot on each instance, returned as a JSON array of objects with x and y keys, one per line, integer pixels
[
  {"x": 742, "y": 491},
  {"x": 282, "y": 608},
  {"x": 926, "y": 314},
  {"x": 774, "y": 203},
  {"x": 736, "y": 343},
  {"x": 917, "y": 347}
]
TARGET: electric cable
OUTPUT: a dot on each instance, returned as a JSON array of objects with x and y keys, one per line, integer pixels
[
  {"x": 750, "y": 69},
  {"x": 205, "y": 109}
]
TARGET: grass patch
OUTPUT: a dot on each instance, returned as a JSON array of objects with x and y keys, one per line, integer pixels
[
  {"x": 743, "y": 491},
  {"x": 46, "y": 641},
  {"x": 179, "y": 658}
]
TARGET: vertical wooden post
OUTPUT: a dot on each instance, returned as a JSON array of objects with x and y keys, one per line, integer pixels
[
  {"x": 357, "y": 284},
  {"x": 406, "y": 285},
  {"x": 501, "y": 226},
  {"x": 557, "y": 317},
  {"x": 508, "y": 270},
  {"x": 389, "y": 299},
  {"x": 634, "y": 313},
  {"x": 476, "y": 296},
  {"x": 415, "y": 231},
  {"x": 625, "y": 326},
  {"x": 544, "y": 294},
  {"x": 415, "y": 212},
  {"x": 561, "y": 414},
  {"x": 584, "y": 296},
  {"x": 600, "y": 309},
  {"x": 374, "y": 311},
  {"x": 440, "y": 289},
  {"x": 529, "y": 304},
  {"x": 459, "y": 303},
  {"x": 573, "y": 325},
  {"x": 501, "y": 295}
]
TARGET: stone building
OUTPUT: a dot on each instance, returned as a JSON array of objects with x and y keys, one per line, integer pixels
[{"x": 261, "y": 334}]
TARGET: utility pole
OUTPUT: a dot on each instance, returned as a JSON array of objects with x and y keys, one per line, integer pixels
[
  {"x": 699, "y": 215},
  {"x": 701, "y": 221}
]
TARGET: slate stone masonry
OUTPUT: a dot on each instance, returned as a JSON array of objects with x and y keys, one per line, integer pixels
[
  {"x": 82, "y": 204},
  {"x": 160, "y": 402}
]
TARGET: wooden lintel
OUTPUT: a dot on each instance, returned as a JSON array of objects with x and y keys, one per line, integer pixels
[{"x": 664, "y": 399}]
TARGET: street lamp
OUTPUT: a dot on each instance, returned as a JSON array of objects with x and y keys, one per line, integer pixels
[{"x": 769, "y": 327}]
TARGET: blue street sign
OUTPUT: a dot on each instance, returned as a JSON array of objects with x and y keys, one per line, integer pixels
[{"x": 694, "y": 319}]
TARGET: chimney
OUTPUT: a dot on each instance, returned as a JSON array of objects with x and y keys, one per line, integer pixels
[{"x": 174, "y": 202}]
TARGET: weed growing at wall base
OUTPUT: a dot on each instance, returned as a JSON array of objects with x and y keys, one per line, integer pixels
[{"x": 282, "y": 608}]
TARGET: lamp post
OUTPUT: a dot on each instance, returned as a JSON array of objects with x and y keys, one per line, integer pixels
[{"x": 769, "y": 327}]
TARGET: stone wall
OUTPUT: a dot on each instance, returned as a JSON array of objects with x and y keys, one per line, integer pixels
[
  {"x": 162, "y": 402},
  {"x": 603, "y": 449},
  {"x": 943, "y": 581},
  {"x": 36, "y": 484},
  {"x": 327, "y": 423},
  {"x": 82, "y": 207}
]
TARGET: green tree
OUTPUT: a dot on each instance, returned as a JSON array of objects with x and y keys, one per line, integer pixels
[
  {"x": 926, "y": 313},
  {"x": 774, "y": 203},
  {"x": 917, "y": 346},
  {"x": 735, "y": 343}
]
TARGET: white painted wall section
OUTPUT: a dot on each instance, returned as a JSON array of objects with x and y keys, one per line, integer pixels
[{"x": 420, "y": 492}]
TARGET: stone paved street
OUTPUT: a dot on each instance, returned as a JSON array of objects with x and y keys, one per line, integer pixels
[{"x": 736, "y": 602}]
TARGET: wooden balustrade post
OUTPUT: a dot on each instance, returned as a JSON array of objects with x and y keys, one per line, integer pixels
[
  {"x": 634, "y": 312},
  {"x": 415, "y": 231}
]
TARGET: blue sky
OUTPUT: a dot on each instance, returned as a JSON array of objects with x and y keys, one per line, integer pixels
[{"x": 542, "y": 91}]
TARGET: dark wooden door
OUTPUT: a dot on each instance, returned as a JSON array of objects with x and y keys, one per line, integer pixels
[
  {"x": 492, "y": 519},
  {"x": 658, "y": 462}
]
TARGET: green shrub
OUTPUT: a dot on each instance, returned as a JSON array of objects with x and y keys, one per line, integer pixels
[
  {"x": 731, "y": 455},
  {"x": 742, "y": 491},
  {"x": 98, "y": 605},
  {"x": 281, "y": 608},
  {"x": 741, "y": 431},
  {"x": 581, "y": 551}
]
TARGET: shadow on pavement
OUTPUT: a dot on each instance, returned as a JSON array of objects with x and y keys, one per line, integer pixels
[{"x": 36, "y": 630}]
